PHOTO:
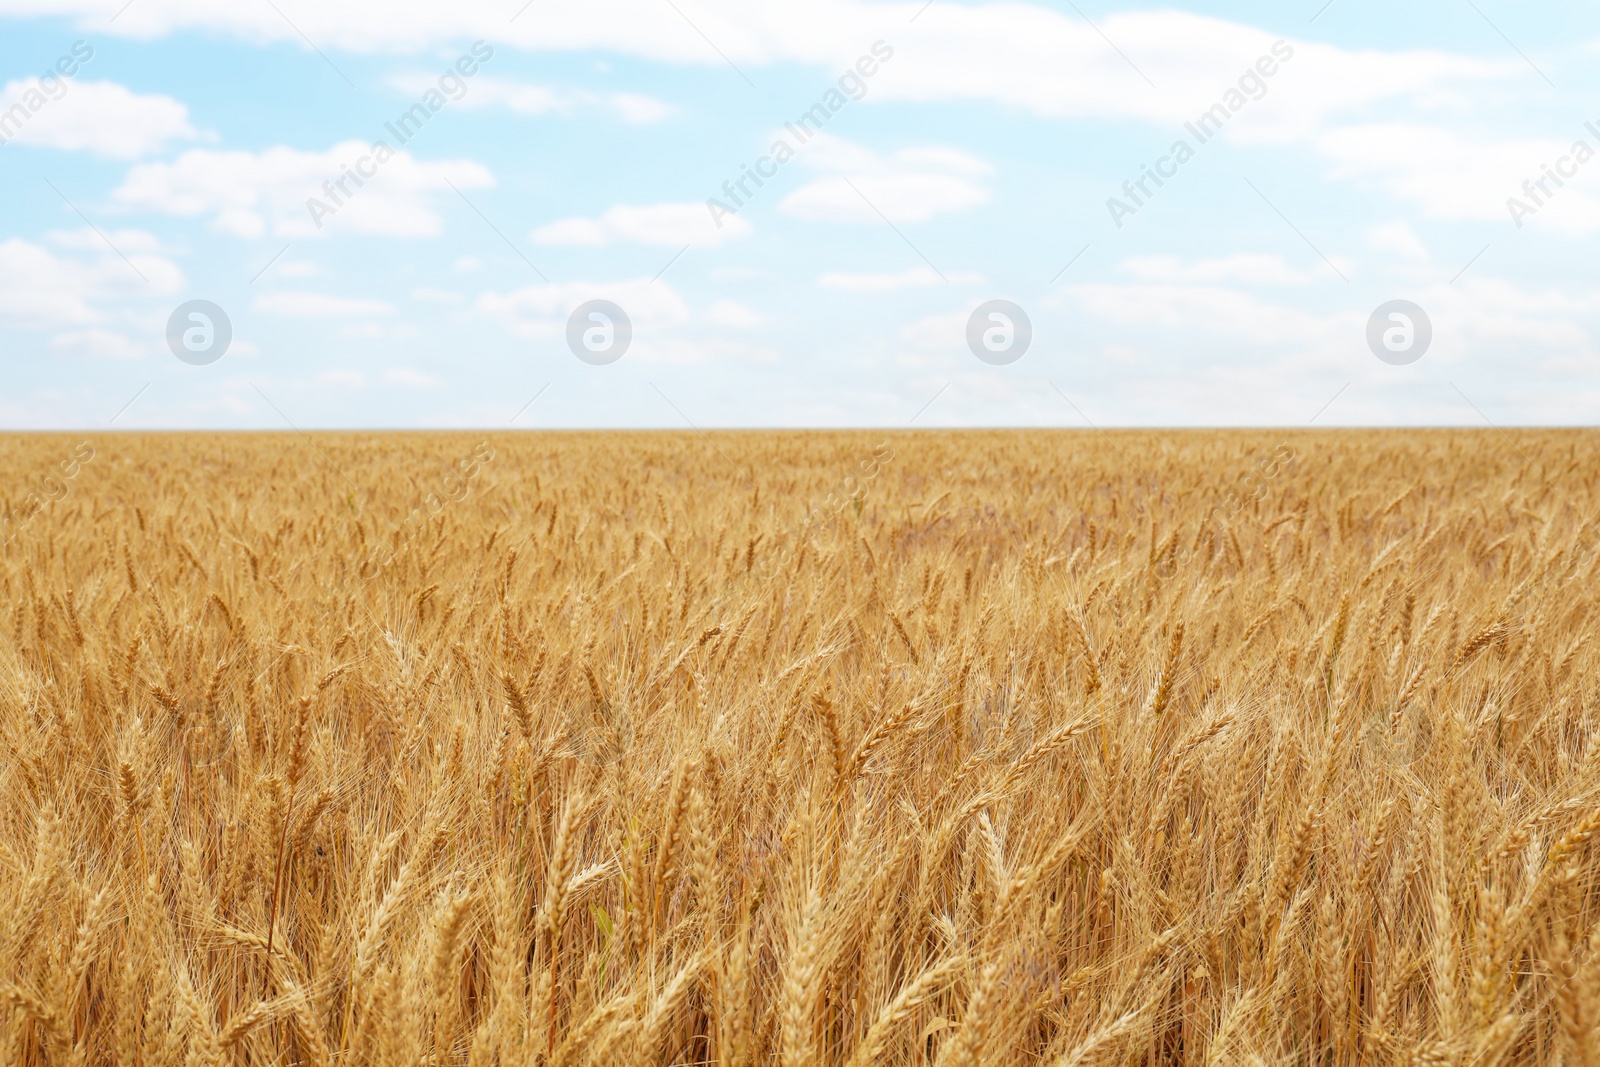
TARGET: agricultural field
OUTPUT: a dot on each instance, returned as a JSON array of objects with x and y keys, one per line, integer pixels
[{"x": 857, "y": 748}]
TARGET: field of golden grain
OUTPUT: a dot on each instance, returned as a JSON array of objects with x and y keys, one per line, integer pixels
[{"x": 906, "y": 748}]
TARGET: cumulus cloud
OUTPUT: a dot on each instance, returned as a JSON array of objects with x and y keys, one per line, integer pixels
[
  {"x": 675, "y": 224},
  {"x": 379, "y": 331},
  {"x": 102, "y": 118},
  {"x": 251, "y": 194},
  {"x": 1453, "y": 176},
  {"x": 911, "y": 185},
  {"x": 541, "y": 311},
  {"x": 409, "y": 379},
  {"x": 340, "y": 378},
  {"x": 1215, "y": 310},
  {"x": 1485, "y": 315},
  {"x": 734, "y": 314},
  {"x": 1023, "y": 55},
  {"x": 663, "y": 325},
  {"x": 305, "y": 305},
  {"x": 43, "y": 289},
  {"x": 86, "y": 239},
  {"x": 684, "y": 351},
  {"x": 1250, "y": 267},
  {"x": 525, "y": 98},
  {"x": 1397, "y": 238},
  {"x": 938, "y": 333},
  {"x": 912, "y": 278},
  {"x": 101, "y": 343},
  {"x": 636, "y": 108}
]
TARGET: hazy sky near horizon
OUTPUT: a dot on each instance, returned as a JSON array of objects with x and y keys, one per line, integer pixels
[{"x": 1314, "y": 161}]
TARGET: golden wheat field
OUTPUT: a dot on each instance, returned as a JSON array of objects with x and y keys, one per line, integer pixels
[{"x": 906, "y": 748}]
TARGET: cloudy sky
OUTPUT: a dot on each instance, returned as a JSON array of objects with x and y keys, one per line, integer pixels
[{"x": 1312, "y": 163}]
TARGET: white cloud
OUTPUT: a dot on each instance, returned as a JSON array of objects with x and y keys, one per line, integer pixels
[
  {"x": 911, "y": 185},
  {"x": 410, "y": 379},
  {"x": 301, "y": 305},
  {"x": 468, "y": 263},
  {"x": 739, "y": 274},
  {"x": 662, "y": 224},
  {"x": 1397, "y": 237},
  {"x": 298, "y": 268},
  {"x": 1204, "y": 309},
  {"x": 103, "y": 118},
  {"x": 1502, "y": 317},
  {"x": 938, "y": 333},
  {"x": 250, "y": 194},
  {"x": 527, "y": 99},
  {"x": 1453, "y": 177},
  {"x": 541, "y": 310},
  {"x": 641, "y": 109},
  {"x": 1022, "y": 55},
  {"x": 734, "y": 314},
  {"x": 685, "y": 352},
  {"x": 86, "y": 239},
  {"x": 41, "y": 288},
  {"x": 341, "y": 379},
  {"x": 656, "y": 311},
  {"x": 900, "y": 197},
  {"x": 1053, "y": 64},
  {"x": 912, "y": 278},
  {"x": 94, "y": 341},
  {"x": 937, "y": 157},
  {"x": 1476, "y": 317},
  {"x": 1253, "y": 268},
  {"x": 379, "y": 331}
]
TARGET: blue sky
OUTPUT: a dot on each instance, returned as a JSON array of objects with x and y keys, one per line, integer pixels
[{"x": 976, "y": 162}]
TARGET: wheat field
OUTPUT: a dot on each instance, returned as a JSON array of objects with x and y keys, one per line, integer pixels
[{"x": 901, "y": 748}]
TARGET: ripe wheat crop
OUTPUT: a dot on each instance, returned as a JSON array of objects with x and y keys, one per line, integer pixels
[{"x": 933, "y": 748}]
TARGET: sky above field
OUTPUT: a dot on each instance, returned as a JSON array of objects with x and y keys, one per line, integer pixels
[{"x": 400, "y": 213}]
